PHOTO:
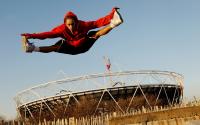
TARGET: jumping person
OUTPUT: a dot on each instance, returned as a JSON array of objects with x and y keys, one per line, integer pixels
[{"x": 76, "y": 35}]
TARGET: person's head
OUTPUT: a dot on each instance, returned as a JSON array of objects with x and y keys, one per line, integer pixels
[{"x": 71, "y": 21}]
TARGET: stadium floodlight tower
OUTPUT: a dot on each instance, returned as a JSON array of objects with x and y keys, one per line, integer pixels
[{"x": 98, "y": 94}]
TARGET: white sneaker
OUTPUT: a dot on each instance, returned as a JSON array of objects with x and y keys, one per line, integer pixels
[
  {"x": 116, "y": 20},
  {"x": 27, "y": 46}
]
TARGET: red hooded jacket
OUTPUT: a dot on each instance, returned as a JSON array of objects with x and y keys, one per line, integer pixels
[{"x": 80, "y": 33}]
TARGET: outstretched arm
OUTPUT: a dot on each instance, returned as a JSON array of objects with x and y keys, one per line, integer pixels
[
  {"x": 41, "y": 36},
  {"x": 56, "y": 32}
]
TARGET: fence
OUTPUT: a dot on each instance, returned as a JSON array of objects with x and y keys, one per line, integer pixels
[
  {"x": 176, "y": 115},
  {"x": 99, "y": 120}
]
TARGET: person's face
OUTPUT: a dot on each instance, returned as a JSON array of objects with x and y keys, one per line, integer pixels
[{"x": 70, "y": 23}]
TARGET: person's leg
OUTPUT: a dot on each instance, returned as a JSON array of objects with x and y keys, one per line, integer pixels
[
  {"x": 115, "y": 21},
  {"x": 103, "y": 31},
  {"x": 47, "y": 49},
  {"x": 60, "y": 47},
  {"x": 30, "y": 47}
]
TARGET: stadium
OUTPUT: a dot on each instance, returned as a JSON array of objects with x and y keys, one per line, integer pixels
[{"x": 99, "y": 94}]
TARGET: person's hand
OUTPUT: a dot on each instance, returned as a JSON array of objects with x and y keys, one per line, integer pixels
[{"x": 27, "y": 35}]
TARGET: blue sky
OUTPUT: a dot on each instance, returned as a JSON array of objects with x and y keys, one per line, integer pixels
[{"x": 156, "y": 34}]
